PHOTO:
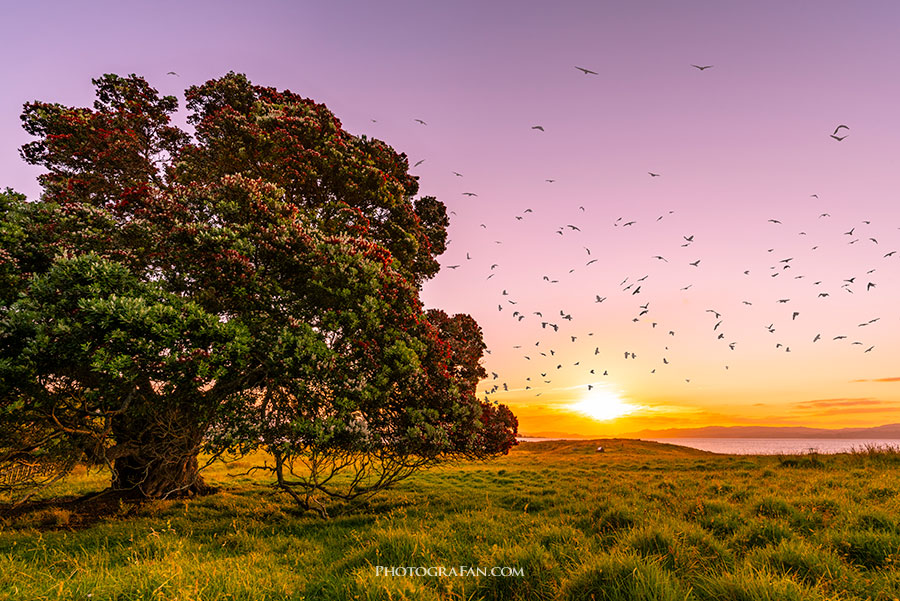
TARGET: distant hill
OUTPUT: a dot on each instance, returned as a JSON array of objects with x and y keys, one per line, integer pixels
[
  {"x": 888, "y": 431},
  {"x": 561, "y": 435}
]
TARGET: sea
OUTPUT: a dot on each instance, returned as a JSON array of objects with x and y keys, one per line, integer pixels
[{"x": 766, "y": 446}]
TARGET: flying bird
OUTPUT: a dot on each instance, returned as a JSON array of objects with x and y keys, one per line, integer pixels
[
  {"x": 537, "y": 127},
  {"x": 419, "y": 163},
  {"x": 469, "y": 194},
  {"x": 420, "y": 121},
  {"x": 173, "y": 73},
  {"x": 839, "y": 127},
  {"x": 587, "y": 71},
  {"x": 653, "y": 174},
  {"x": 702, "y": 67}
]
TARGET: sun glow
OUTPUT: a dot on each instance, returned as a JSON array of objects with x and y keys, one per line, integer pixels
[{"x": 603, "y": 405}]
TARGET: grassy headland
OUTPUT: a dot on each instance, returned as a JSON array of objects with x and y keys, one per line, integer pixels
[{"x": 640, "y": 521}]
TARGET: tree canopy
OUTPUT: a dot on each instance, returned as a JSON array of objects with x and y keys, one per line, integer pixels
[{"x": 253, "y": 284}]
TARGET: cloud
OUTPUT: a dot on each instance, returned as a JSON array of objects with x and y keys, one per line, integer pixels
[
  {"x": 860, "y": 410},
  {"x": 839, "y": 406},
  {"x": 893, "y": 379},
  {"x": 839, "y": 402}
]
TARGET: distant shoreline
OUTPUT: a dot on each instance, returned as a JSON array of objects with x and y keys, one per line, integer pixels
[
  {"x": 751, "y": 446},
  {"x": 885, "y": 432},
  {"x": 654, "y": 438}
]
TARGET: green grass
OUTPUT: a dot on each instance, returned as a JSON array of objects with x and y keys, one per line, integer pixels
[{"x": 642, "y": 521}]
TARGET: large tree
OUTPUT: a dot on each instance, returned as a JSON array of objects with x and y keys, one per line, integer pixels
[{"x": 256, "y": 283}]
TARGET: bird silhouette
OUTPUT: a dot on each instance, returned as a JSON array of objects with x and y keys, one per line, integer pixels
[
  {"x": 420, "y": 121},
  {"x": 702, "y": 67},
  {"x": 537, "y": 127},
  {"x": 587, "y": 71}
]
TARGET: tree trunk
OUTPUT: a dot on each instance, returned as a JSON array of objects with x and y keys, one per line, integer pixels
[
  {"x": 159, "y": 477},
  {"x": 160, "y": 459}
]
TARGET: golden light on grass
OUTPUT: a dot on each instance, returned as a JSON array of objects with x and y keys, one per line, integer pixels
[{"x": 602, "y": 404}]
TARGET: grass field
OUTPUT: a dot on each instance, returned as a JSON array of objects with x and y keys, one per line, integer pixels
[{"x": 642, "y": 521}]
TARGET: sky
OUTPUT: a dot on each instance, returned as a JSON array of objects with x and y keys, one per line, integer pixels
[{"x": 638, "y": 334}]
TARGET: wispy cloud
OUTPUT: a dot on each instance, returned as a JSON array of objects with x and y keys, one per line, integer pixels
[
  {"x": 892, "y": 379},
  {"x": 839, "y": 402},
  {"x": 839, "y": 406}
]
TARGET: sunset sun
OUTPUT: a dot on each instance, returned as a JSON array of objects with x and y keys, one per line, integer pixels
[{"x": 603, "y": 405}]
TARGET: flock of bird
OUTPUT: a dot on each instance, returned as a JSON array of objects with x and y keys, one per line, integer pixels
[{"x": 558, "y": 326}]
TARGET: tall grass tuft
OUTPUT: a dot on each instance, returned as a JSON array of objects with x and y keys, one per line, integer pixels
[
  {"x": 622, "y": 577},
  {"x": 878, "y": 454}
]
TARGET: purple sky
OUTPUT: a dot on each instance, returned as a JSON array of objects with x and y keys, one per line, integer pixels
[{"x": 735, "y": 145}]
